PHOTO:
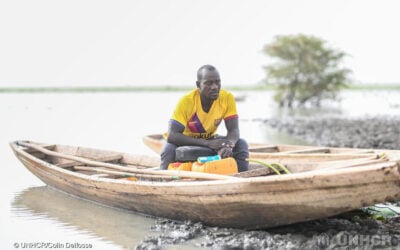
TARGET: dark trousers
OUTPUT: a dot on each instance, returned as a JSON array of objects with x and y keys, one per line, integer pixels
[{"x": 240, "y": 154}]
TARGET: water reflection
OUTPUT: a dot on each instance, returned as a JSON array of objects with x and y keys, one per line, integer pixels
[{"x": 117, "y": 226}]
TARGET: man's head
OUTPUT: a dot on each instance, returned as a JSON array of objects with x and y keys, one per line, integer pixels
[{"x": 208, "y": 82}]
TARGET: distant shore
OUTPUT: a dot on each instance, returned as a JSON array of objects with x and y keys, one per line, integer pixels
[{"x": 79, "y": 89}]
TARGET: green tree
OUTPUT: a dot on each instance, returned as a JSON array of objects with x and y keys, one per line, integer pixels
[{"x": 305, "y": 70}]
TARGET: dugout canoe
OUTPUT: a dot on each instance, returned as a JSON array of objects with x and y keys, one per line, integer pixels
[{"x": 315, "y": 189}]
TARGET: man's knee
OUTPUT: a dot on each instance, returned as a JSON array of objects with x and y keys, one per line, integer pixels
[
  {"x": 241, "y": 154},
  {"x": 167, "y": 155},
  {"x": 241, "y": 145},
  {"x": 243, "y": 142}
]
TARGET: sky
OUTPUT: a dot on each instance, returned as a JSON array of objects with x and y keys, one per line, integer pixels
[{"x": 161, "y": 42}]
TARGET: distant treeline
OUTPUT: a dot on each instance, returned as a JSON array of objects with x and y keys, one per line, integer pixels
[
  {"x": 89, "y": 89},
  {"x": 118, "y": 89},
  {"x": 171, "y": 88}
]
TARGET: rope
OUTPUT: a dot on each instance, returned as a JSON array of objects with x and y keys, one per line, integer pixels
[
  {"x": 382, "y": 156},
  {"x": 272, "y": 166}
]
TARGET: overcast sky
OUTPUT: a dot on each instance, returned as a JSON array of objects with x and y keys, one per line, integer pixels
[{"x": 160, "y": 42}]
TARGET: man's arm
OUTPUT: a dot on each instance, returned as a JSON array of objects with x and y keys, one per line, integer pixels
[
  {"x": 232, "y": 136},
  {"x": 232, "y": 126},
  {"x": 176, "y": 136}
]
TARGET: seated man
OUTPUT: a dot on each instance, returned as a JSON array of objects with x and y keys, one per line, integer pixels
[{"x": 197, "y": 117}]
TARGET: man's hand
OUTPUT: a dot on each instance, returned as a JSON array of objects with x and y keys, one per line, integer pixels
[
  {"x": 217, "y": 144},
  {"x": 225, "y": 152},
  {"x": 222, "y": 146}
]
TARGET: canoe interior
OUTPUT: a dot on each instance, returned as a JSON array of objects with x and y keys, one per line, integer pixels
[
  {"x": 299, "y": 158},
  {"x": 122, "y": 159},
  {"x": 296, "y": 159}
]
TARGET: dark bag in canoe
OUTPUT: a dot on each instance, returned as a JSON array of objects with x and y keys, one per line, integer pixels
[{"x": 191, "y": 153}]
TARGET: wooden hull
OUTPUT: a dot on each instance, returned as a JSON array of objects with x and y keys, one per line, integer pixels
[{"x": 251, "y": 203}]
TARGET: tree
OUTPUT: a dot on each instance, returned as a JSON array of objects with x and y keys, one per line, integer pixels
[{"x": 305, "y": 70}]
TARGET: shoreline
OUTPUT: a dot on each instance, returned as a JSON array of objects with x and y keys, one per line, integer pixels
[{"x": 128, "y": 88}]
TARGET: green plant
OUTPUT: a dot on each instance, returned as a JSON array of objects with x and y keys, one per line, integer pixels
[{"x": 305, "y": 70}]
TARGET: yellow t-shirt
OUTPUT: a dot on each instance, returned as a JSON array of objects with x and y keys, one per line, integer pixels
[{"x": 199, "y": 124}]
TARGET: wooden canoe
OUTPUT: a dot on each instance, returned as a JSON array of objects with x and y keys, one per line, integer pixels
[{"x": 315, "y": 188}]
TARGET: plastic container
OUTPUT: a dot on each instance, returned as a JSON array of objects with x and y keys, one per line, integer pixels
[
  {"x": 186, "y": 166},
  {"x": 203, "y": 159},
  {"x": 225, "y": 166}
]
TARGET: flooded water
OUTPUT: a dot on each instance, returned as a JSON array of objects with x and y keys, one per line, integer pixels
[{"x": 32, "y": 213}]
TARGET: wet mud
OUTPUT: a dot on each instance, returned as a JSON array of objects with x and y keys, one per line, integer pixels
[
  {"x": 347, "y": 231},
  {"x": 353, "y": 230},
  {"x": 373, "y": 132}
]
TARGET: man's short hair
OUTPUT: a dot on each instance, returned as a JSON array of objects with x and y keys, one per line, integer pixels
[{"x": 207, "y": 67}]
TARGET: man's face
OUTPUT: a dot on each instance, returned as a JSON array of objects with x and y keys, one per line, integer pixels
[{"x": 210, "y": 84}]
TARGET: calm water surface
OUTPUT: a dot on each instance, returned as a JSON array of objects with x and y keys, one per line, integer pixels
[{"x": 31, "y": 212}]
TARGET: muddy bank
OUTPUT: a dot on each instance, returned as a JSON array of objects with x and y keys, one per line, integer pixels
[
  {"x": 376, "y": 132},
  {"x": 353, "y": 230},
  {"x": 347, "y": 231}
]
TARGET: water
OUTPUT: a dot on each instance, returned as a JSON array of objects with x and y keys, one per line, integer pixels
[{"x": 30, "y": 212}]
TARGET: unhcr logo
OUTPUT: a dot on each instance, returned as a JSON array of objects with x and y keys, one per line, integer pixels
[
  {"x": 344, "y": 239},
  {"x": 323, "y": 240}
]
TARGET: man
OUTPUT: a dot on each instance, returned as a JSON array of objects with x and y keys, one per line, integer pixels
[{"x": 197, "y": 116}]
